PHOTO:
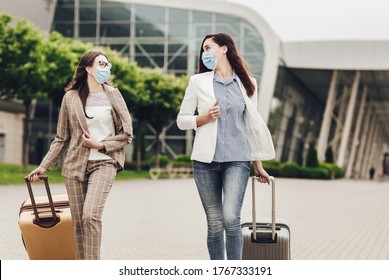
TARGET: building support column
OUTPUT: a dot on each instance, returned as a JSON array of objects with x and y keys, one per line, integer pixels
[
  {"x": 377, "y": 155},
  {"x": 363, "y": 141},
  {"x": 366, "y": 157},
  {"x": 373, "y": 152},
  {"x": 287, "y": 112},
  {"x": 349, "y": 118},
  {"x": 343, "y": 100},
  {"x": 326, "y": 123},
  {"x": 355, "y": 143}
]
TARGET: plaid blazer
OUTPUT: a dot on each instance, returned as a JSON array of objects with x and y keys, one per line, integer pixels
[{"x": 72, "y": 124}]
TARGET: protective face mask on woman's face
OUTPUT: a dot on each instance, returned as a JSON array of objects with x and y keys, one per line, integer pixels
[
  {"x": 102, "y": 74},
  {"x": 209, "y": 60}
]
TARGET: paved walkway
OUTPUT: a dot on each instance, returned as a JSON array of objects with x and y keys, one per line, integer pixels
[{"x": 164, "y": 219}]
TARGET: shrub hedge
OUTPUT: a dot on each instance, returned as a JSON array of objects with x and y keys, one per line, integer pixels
[
  {"x": 289, "y": 170},
  {"x": 273, "y": 167},
  {"x": 293, "y": 170}
]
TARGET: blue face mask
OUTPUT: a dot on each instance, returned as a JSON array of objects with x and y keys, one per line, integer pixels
[
  {"x": 209, "y": 60},
  {"x": 102, "y": 74}
]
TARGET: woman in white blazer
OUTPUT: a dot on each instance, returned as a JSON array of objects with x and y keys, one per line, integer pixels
[{"x": 230, "y": 134}]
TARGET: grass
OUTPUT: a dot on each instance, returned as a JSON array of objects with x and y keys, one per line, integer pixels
[{"x": 13, "y": 174}]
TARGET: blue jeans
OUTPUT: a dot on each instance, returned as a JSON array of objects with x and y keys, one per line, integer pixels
[{"x": 215, "y": 180}]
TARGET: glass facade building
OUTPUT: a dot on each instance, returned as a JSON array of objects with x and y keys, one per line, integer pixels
[{"x": 155, "y": 36}]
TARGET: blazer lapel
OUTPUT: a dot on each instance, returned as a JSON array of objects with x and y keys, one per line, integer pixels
[
  {"x": 80, "y": 113},
  {"x": 121, "y": 115},
  {"x": 111, "y": 96},
  {"x": 209, "y": 84}
]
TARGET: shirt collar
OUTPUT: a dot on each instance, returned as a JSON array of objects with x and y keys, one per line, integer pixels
[{"x": 217, "y": 78}]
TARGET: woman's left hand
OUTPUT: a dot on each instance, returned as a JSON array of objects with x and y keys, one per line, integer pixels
[
  {"x": 261, "y": 173},
  {"x": 91, "y": 143}
]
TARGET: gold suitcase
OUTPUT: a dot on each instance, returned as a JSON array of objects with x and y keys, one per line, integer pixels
[{"x": 46, "y": 226}]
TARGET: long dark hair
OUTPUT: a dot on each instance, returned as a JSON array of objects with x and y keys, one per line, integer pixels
[
  {"x": 233, "y": 56},
  {"x": 79, "y": 82}
]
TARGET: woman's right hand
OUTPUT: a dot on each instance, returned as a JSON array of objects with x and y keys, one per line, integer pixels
[
  {"x": 214, "y": 111},
  {"x": 34, "y": 175}
]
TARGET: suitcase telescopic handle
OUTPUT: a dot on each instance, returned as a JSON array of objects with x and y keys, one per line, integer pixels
[
  {"x": 34, "y": 207},
  {"x": 273, "y": 208}
]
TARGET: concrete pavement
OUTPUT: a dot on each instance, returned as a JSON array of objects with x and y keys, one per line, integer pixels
[{"x": 164, "y": 219}]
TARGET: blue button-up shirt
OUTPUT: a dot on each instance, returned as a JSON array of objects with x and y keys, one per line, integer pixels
[{"x": 231, "y": 143}]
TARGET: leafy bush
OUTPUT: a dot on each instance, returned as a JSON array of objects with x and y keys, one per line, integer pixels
[
  {"x": 163, "y": 161},
  {"x": 271, "y": 166},
  {"x": 315, "y": 173},
  {"x": 145, "y": 165},
  {"x": 312, "y": 156},
  {"x": 333, "y": 168},
  {"x": 289, "y": 170},
  {"x": 272, "y": 163},
  {"x": 273, "y": 171},
  {"x": 329, "y": 155},
  {"x": 182, "y": 161}
]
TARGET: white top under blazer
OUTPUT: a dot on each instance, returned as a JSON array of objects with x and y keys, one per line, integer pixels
[
  {"x": 200, "y": 95},
  {"x": 100, "y": 125}
]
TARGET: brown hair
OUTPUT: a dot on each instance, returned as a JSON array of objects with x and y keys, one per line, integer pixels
[
  {"x": 79, "y": 82},
  {"x": 233, "y": 56}
]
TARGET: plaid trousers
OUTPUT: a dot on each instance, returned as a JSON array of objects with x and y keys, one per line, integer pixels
[{"x": 87, "y": 200}]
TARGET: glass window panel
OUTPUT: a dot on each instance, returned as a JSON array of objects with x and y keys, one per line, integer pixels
[
  {"x": 202, "y": 17},
  {"x": 178, "y": 15},
  {"x": 64, "y": 14},
  {"x": 249, "y": 31},
  {"x": 198, "y": 47},
  {"x": 88, "y": 2},
  {"x": 173, "y": 48},
  {"x": 255, "y": 63},
  {"x": 144, "y": 61},
  {"x": 178, "y": 30},
  {"x": 66, "y": 30},
  {"x": 149, "y": 30},
  {"x": 87, "y": 14},
  {"x": 149, "y": 14},
  {"x": 202, "y": 29},
  {"x": 121, "y": 48},
  {"x": 150, "y": 49},
  {"x": 253, "y": 46},
  {"x": 196, "y": 63},
  {"x": 114, "y": 30},
  {"x": 116, "y": 13},
  {"x": 87, "y": 30},
  {"x": 178, "y": 63},
  {"x": 226, "y": 18},
  {"x": 230, "y": 28},
  {"x": 65, "y": 2}
]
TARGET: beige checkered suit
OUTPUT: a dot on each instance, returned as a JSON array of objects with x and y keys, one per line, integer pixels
[
  {"x": 88, "y": 182},
  {"x": 72, "y": 124}
]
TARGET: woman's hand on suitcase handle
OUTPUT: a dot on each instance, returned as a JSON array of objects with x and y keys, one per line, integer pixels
[
  {"x": 263, "y": 176},
  {"x": 34, "y": 175}
]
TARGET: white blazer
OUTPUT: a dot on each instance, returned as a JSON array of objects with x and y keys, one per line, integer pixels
[{"x": 200, "y": 95}]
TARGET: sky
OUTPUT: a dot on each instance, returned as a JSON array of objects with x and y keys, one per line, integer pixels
[{"x": 304, "y": 20}]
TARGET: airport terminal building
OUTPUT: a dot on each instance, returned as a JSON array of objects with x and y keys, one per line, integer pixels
[{"x": 333, "y": 92}]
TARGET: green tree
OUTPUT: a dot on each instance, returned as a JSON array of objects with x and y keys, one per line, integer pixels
[
  {"x": 160, "y": 102},
  {"x": 61, "y": 58},
  {"x": 22, "y": 69},
  {"x": 311, "y": 160}
]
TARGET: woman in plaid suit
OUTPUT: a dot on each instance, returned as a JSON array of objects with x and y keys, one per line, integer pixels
[{"x": 94, "y": 126}]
